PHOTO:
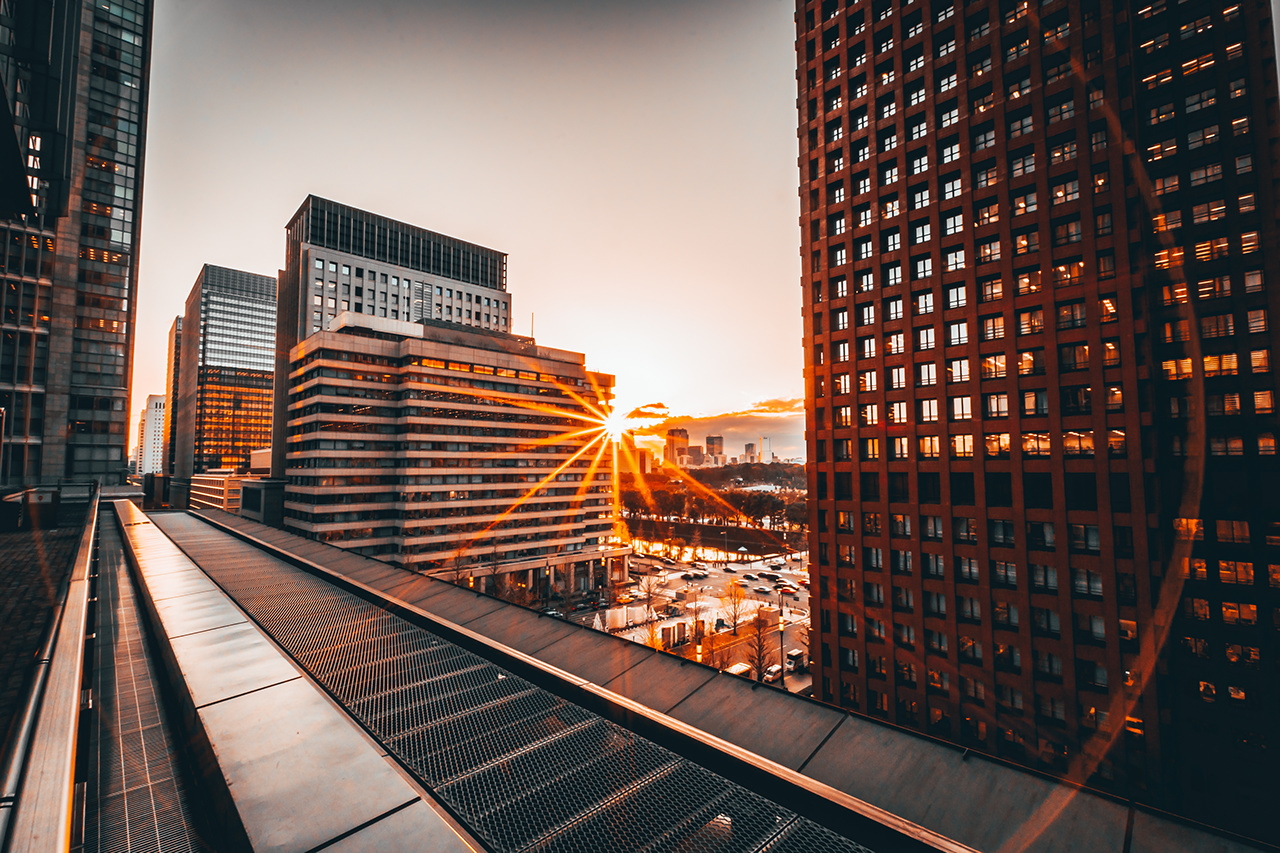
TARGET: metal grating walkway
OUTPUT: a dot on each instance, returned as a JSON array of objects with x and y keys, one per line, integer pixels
[
  {"x": 521, "y": 768},
  {"x": 135, "y": 799}
]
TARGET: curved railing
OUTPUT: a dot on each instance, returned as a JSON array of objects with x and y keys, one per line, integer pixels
[{"x": 38, "y": 773}]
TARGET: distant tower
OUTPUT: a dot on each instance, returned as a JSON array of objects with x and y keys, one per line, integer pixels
[
  {"x": 171, "y": 394},
  {"x": 151, "y": 436},
  {"x": 677, "y": 440}
]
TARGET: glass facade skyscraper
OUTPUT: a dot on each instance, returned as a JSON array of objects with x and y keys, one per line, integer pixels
[
  {"x": 75, "y": 81},
  {"x": 225, "y": 373}
]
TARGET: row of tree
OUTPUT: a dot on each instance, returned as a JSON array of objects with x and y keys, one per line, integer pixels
[
  {"x": 784, "y": 475},
  {"x": 674, "y": 500}
]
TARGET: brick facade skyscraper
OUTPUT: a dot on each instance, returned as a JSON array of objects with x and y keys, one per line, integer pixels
[{"x": 1040, "y": 278}]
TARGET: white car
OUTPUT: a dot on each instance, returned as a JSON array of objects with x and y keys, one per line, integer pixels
[{"x": 773, "y": 673}]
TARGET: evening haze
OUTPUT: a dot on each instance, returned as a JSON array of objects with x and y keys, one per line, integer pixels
[{"x": 636, "y": 161}]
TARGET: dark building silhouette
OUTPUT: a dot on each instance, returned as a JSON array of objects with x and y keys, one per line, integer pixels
[
  {"x": 75, "y": 83},
  {"x": 171, "y": 378},
  {"x": 1039, "y": 285},
  {"x": 225, "y": 381}
]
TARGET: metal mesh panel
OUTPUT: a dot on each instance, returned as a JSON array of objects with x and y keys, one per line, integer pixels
[
  {"x": 520, "y": 767},
  {"x": 134, "y": 799}
]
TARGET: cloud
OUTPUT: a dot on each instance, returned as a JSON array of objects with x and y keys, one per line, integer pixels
[
  {"x": 779, "y": 420},
  {"x": 649, "y": 411}
]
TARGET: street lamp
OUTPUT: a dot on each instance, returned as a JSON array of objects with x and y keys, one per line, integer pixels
[
  {"x": 725, "y": 550},
  {"x": 3, "y": 423}
]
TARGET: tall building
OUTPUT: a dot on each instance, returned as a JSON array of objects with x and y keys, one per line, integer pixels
[
  {"x": 715, "y": 445},
  {"x": 151, "y": 436},
  {"x": 75, "y": 77},
  {"x": 339, "y": 259},
  {"x": 1040, "y": 397},
  {"x": 171, "y": 378},
  {"x": 677, "y": 445},
  {"x": 453, "y": 451},
  {"x": 226, "y": 375}
]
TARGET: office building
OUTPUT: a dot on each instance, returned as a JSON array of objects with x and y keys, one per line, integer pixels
[
  {"x": 75, "y": 80},
  {"x": 715, "y": 445},
  {"x": 453, "y": 451},
  {"x": 171, "y": 376},
  {"x": 749, "y": 453},
  {"x": 1040, "y": 265},
  {"x": 677, "y": 445},
  {"x": 341, "y": 259},
  {"x": 226, "y": 373},
  {"x": 150, "y": 456}
]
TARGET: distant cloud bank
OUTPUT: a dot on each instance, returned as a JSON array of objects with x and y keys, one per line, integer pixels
[{"x": 781, "y": 421}]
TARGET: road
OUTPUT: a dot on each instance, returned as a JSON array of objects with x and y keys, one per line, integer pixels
[{"x": 713, "y": 587}]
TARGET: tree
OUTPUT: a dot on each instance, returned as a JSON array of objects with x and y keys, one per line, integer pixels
[
  {"x": 649, "y": 588},
  {"x": 797, "y": 514},
  {"x": 633, "y": 502},
  {"x": 760, "y": 654},
  {"x": 653, "y": 637},
  {"x": 457, "y": 569},
  {"x": 695, "y": 606},
  {"x": 715, "y": 651},
  {"x": 734, "y": 603}
]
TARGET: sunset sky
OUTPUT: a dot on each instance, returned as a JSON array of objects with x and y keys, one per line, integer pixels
[{"x": 636, "y": 160}]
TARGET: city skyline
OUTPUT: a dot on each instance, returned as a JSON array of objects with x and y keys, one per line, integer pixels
[{"x": 684, "y": 288}]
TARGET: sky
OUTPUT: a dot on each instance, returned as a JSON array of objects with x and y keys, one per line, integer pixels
[{"x": 637, "y": 162}]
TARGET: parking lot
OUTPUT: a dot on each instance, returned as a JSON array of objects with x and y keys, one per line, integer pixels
[{"x": 712, "y": 581}]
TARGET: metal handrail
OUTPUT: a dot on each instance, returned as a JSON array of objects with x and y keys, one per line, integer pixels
[{"x": 38, "y": 773}]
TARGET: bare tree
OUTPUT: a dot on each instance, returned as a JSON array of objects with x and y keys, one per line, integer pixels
[
  {"x": 715, "y": 651},
  {"x": 653, "y": 637},
  {"x": 648, "y": 588},
  {"x": 695, "y": 605},
  {"x": 760, "y": 654},
  {"x": 734, "y": 602}
]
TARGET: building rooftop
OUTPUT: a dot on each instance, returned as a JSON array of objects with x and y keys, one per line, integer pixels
[
  {"x": 337, "y": 226},
  {"x": 853, "y": 760},
  {"x": 331, "y": 700}
]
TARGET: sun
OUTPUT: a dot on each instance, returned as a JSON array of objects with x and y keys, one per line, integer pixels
[{"x": 616, "y": 423}]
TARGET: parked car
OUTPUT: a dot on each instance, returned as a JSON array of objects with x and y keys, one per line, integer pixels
[
  {"x": 688, "y": 576},
  {"x": 555, "y": 614},
  {"x": 748, "y": 577},
  {"x": 764, "y": 590},
  {"x": 730, "y": 570},
  {"x": 773, "y": 673}
]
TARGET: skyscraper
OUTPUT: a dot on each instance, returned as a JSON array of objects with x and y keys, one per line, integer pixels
[
  {"x": 677, "y": 445},
  {"x": 171, "y": 377},
  {"x": 470, "y": 454},
  {"x": 226, "y": 378},
  {"x": 339, "y": 258},
  {"x": 151, "y": 435},
  {"x": 75, "y": 77},
  {"x": 1040, "y": 257}
]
